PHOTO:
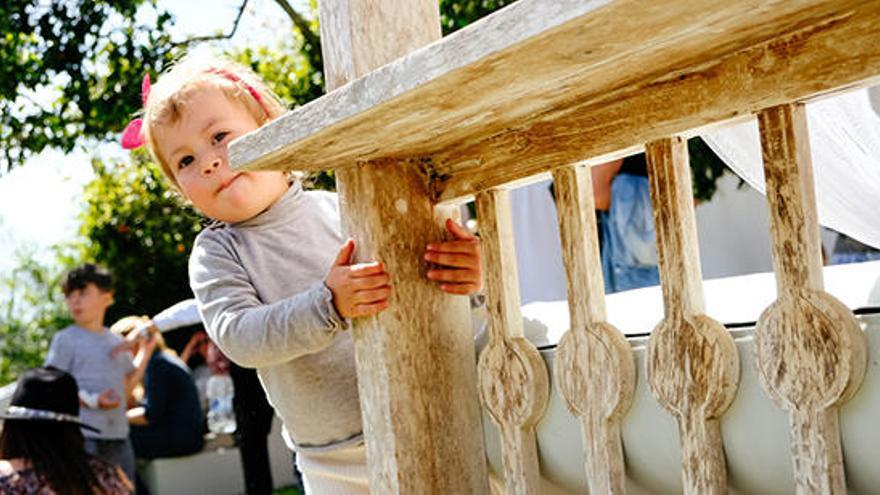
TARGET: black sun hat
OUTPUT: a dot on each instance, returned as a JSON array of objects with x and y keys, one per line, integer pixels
[{"x": 45, "y": 394}]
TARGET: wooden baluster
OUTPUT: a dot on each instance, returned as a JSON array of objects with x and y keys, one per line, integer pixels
[
  {"x": 594, "y": 364},
  {"x": 514, "y": 385},
  {"x": 810, "y": 350},
  {"x": 693, "y": 367},
  {"x": 416, "y": 374}
]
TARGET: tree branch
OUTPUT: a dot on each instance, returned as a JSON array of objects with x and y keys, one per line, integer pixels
[
  {"x": 302, "y": 25},
  {"x": 230, "y": 34}
]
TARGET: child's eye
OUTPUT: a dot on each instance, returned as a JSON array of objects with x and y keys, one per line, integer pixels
[
  {"x": 187, "y": 160},
  {"x": 220, "y": 136}
]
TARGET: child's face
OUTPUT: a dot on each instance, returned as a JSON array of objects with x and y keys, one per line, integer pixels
[
  {"x": 88, "y": 305},
  {"x": 195, "y": 147}
]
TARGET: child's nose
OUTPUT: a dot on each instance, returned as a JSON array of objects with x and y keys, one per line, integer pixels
[{"x": 210, "y": 166}]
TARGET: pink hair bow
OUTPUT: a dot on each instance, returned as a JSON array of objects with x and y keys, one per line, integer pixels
[{"x": 132, "y": 137}]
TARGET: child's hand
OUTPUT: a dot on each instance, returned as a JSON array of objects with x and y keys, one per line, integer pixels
[
  {"x": 358, "y": 290},
  {"x": 459, "y": 260},
  {"x": 108, "y": 399}
]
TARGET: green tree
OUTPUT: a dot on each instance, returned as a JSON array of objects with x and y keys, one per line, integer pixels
[
  {"x": 71, "y": 70},
  {"x": 32, "y": 311},
  {"x": 456, "y": 14}
]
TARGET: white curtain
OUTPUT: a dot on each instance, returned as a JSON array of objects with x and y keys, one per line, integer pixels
[{"x": 845, "y": 144}]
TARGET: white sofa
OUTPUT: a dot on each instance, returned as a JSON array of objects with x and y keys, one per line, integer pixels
[{"x": 214, "y": 470}]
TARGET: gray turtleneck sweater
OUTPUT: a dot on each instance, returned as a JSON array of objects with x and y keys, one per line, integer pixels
[{"x": 260, "y": 288}]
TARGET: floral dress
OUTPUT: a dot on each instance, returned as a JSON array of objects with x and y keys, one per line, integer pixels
[{"x": 111, "y": 481}]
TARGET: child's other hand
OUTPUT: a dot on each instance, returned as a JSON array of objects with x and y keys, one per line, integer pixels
[
  {"x": 358, "y": 290},
  {"x": 459, "y": 270},
  {"x": 108, "y": 399}
]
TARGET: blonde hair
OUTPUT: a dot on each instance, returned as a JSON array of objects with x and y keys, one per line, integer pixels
[
  {"x": 125, "y": 326},
  {"x": 172, "y": 92}
]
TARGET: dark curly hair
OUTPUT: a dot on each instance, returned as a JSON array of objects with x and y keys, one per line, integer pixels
[{"x": 81, "y": 276}]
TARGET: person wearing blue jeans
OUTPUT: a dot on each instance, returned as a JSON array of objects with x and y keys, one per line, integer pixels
[{"x": 626, "y": 224}]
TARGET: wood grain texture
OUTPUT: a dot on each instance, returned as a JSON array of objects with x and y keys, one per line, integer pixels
[
  {"x": 692, "y": 88},
  {"x": 519, "y": 93},
  {"x": 415, "y": 361},
  {"x": 693, "y": 368},
  {"x": 810, "y": 351},
  {"x": 514, "y": 384},
  {"x": 594, "y": 365}
]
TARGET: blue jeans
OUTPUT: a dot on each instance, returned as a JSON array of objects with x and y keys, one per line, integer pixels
[
  {"x": 859, "y": 257},
  {"x": 629, "y": 249}
]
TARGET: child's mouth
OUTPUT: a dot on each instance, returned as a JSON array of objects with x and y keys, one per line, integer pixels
[{"x": 226, "y": 183}]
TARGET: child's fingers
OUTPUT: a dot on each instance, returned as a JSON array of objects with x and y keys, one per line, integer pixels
[
  {"x": 471, "y": 246},
  {"x": 370, "y": 309},
  {"x": 455, "y": 260},
  {"x": 373, "y": 296},
  {"x": 453, "y": 275},
  {"x": 367, "y": 269},
  {"x": 371, "y": 282},
  {"x": 457, "y": 230}
]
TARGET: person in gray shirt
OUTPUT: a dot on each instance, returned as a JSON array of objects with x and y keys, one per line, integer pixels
[{"x": 86, "y": 351}]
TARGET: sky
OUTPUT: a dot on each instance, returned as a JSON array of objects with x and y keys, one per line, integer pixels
[{"x": 39, "y": 201}]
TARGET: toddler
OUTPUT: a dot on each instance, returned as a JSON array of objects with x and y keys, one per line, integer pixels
[{"x": 273, "y": 275}]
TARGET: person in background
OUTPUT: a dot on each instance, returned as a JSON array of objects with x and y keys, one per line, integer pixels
[
  {"x": 253, "y": 420},
  {"x": 169, "y": 420},
  {"x": 625, "y": 223},
  {"x": 253, "y": 413},
  {"x": 42, "y": 449},
  {"x": 195, "y": 355},
  {"x": 105, "y": 379}
]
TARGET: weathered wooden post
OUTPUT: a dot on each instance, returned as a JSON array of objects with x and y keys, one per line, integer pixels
[
  {"x": 810, "y": 350},
  {"x": 594, "y": 365},
  {"x": 415, "y": 361},
  {"x": 514, "y": 384},
  {"x": 693, "y": 367}
]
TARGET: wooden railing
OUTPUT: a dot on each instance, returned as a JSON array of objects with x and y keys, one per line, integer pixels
[{"x": 414, "y": 125}]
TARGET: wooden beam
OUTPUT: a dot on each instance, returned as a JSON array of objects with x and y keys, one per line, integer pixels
[
  {"x": 594, "y": 365},
  {"x": 811, "y": 353},
  {"x": 829, "y": 52},
  {"x": 544, "y": 83},
  {"x": 514, "y": 384},
  {"x": 693, "y": 368},
  {"x": 415, "y": 361}
]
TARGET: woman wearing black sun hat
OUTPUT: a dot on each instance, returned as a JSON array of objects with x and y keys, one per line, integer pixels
[{"x": 41, "y": 444}]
